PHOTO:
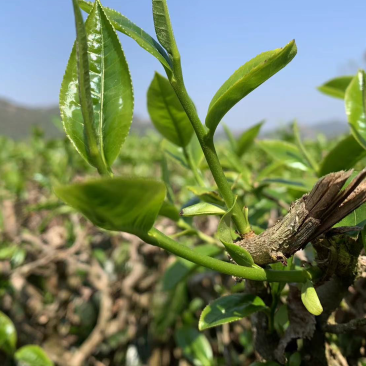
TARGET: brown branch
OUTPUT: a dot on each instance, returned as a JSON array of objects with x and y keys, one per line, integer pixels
[
  {"x": 309, "y": 217},
  {"x": 346, "y": 327}
]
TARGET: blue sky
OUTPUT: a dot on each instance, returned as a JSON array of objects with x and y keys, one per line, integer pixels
[{"x": 215, "y": 38}]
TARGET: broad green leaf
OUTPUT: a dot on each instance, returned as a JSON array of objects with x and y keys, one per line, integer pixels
[
  {"x": 8, "y": 334},
  {"x": 246, "y": 79},
  {"x": 246, "y": 140},
  {"x": 206, "y": 194},
  {"x": 195, "y": 346},
  {"x": 163, "y": 26},
  {"x": 167, "y": 113},
  {"x": 169, "y": 210},
  {"x": 32, "y": 356},
  {"x": 228, "y": 309},
  {"x": 356, "y": 218},
  {"x": 111, "y": 90},
  {"x": 202, "y": 209},
  {"x": 343, "y": 156},
  {"x": 230, "y": 137},
  {"x": 181, "y": 268},
  {"x": 224, "y": 233},
  {"x": 284, "y": 152},
  {"x": 303, "y": 150},
  {"x": 336, "y": 87},
  {"x": 310, "y": 298},
  {"x": 118, "y": 204},
  {"x": 124, "y": 25},
  {"x": 355, "y": 107}
]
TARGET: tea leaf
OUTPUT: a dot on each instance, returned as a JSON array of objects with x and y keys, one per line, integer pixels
[
  {"x": 32, "y": 356},
  {"x": 167, "y": 113},
  {"x": 206, "y": 194},
  {"x": 111, "y": 90},
  {"x": 336, "y": 87},
  {"x": 228, "y": 309},
  {"x": 202, "y": 209},
  {"x": 118, "y": 204},
  {"x": 310, "y": 298},
  {"x": 8, "y": 334},
  {"x": 247, "y": 138},
  {"x": 343, "y": 156},
  {"x": 195, "y": 346},
  {"x": 284, "y": 152},
  {"x": 125, "y": 26},
  {"x": 163, "y": 26},
  {"x": 246, "y": 79},
  {"x": 355, "y": 107}
]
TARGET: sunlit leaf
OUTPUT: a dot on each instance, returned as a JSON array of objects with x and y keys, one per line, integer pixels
[
  {"x": 310, "y": 298},
  {"x": 246, "y": 79},
  {"x": 124, "y": 25},
  {"x": 111, "y": 91},
  {"x": 8, "y": 334},
  {"x": 32, "y": 356},
  {"x": 202, "y": 209},
  {"x": 167, "y": 113},
  {"x": 355, "y": 107},
  {"x": 118, "y": 204},
  {"x": 336, "y": 87},
  {"x": 228, "y": 309}
]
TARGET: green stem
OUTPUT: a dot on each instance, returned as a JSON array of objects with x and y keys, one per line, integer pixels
[
  {"x": 208, "y": 147},
  {"x": 157, "y": 238}
]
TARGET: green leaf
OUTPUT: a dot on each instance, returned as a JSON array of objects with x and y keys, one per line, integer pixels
[
  {"x": 118, "y": 204},
  {"x": 284, "y": 152},
  {"x": 343, "y": 156},
  {"x": 202, "y": 209},
  {"x": 82, "y": 90},
  {"x": 246, "y": 79},
  {"x": 207, "y": 195},
  {"x": 303, "y": 150},
  {"x": 195, "y": 346},
  {"x": 8, "y": 334},
  {"x": 169, "y": 210},
  {"x": 224, "y": 231},
  {"x": 228, "y": 309},
  {"x": 163, "y": 26},
  {"x": 165, "y": 176},
  {"x": 111, "y": 91},
  {"x": 32, "y": 356},
  {"x": 246, "y": 140},
  {"x": 355, "y": 107},
  {"x": 356, "y": 218},
  {"x": 310, "y": 298},
  {"x": 230, "y": 137},
  {"x": 239, "y": 254},
  {"x": 336, "y": 87},
  {"x": 124, "y": 25},
  {"x": 167, "y": 113}
]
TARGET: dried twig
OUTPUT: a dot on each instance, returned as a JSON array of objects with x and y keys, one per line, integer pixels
[{"x": 346, "y": 327}]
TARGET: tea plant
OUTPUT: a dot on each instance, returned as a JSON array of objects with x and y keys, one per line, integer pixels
[{"x": 96, "y": 103}]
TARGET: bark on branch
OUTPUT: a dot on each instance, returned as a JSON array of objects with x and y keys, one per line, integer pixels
[{"x": 309, "y": 217}]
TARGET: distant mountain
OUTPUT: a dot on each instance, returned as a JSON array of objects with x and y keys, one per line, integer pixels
[{"x": 17, "y": 121}]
